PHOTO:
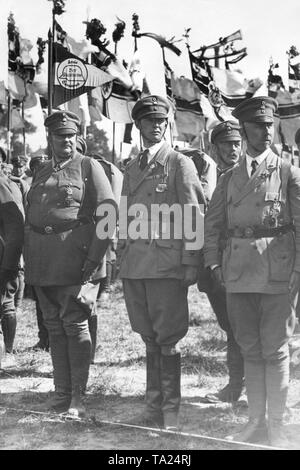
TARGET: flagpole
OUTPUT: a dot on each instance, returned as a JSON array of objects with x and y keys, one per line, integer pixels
[
  {"x": 170, "y": 127},
  {"x": 24, "y": 131},
  {"x": 9, "y": 103},
  {"x": 50, "y": 74}
]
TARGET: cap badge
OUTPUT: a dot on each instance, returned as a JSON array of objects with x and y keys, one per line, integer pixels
[
  {"x": 154, "y": 99},
  {"x": 263, "y": 107}
]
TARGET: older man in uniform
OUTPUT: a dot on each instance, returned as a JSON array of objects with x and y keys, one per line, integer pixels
[
  {"x": 63, "y": 253},
  {"x": 226, "y": 146},
  {"x": 158, "y": 269},
  {"x": 256, "y": 206}
]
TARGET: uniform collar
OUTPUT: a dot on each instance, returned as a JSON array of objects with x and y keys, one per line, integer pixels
[
  {"x": 260, "y": 158},
  {"x": 152, "y": 151}
]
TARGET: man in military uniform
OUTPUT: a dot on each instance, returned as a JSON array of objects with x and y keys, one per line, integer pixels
[
  {"x": 11, "y": 244},
  {"x": 226, "y": 146},
  {"x": 157, "y": 269},
  {"x": 256, "y": 208},
  {"x": 63, "y": 253}
]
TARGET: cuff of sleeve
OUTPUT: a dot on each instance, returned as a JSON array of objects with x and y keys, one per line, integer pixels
[{"x": 212, "y": 259}]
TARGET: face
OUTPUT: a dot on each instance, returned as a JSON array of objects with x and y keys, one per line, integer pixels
[
  {"x": 18, "y": 170},
  {"x": 63, "y": 145},
  {"x": 259, "y": 136},
  {"x": 152, "y": 129},
  {"x": 229, "y": 152}
]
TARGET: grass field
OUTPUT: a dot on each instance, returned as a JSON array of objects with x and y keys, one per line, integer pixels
[{"x": 116, "y": 388}]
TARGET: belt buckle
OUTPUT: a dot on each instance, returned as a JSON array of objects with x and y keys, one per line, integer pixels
[
  {"x": 249, "y": 232},
  {"x": 48, "y": 229}
]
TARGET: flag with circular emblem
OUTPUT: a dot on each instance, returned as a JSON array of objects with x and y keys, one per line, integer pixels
[{"x": 72, "y": 76}]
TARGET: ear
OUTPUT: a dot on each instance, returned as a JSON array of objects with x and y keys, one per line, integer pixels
[
  {"x": 138, "y": 124},
  {"x": 214, "y": 151}
]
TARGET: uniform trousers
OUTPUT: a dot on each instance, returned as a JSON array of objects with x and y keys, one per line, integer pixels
[
  {"x": 66, "y": 309},
  {"x": 158, "y": 311},
  {"x": 262, "y": 325}
]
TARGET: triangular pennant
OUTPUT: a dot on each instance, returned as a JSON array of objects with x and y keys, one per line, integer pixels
[{"x": 72, "y": 76}]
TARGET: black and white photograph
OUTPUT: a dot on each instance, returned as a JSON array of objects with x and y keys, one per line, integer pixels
[{"x": 149, "y": 228}]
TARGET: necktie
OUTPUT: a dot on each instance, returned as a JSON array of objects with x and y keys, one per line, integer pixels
[
  {"x": 143, "y": 161},
  {"x": 254, "y": 165}
]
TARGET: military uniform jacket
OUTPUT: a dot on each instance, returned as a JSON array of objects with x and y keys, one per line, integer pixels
[
  {"x": 270, "y": 198},
  {"x": 169, "y": 178},
  {"x": 11, "y": 224},
  {"x": 58, "y": 197}
]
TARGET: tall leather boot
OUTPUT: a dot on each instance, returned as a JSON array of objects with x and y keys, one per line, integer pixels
[
  {"x": 235, "y": 363},
  {"x": 153, "y": 396},
  {"x": 256, "y": 428},
  {"x": 61, "y": 373},
  {"x": 277, "y": 382},
  {"x": 93, "y": 325},
  {"x": 9, "y": 324},
  {"x": 170, "y": 370},
  {"x": 79, "y": 347}
]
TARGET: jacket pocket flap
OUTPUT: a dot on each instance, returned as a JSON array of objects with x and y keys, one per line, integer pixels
[{"x": 175, "y": 244}]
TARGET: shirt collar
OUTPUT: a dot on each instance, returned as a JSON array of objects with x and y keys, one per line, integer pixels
[
  {"x": 260, "y": 158},
  {"x": 154, "y": 149}
]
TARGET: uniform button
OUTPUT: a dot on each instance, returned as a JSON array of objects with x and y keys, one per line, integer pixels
[
  {"x": 235, "y": 247},
  {"x": 147, "y": 242}
]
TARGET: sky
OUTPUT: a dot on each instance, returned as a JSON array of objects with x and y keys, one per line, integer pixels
[{"x": 268, "y": 28}]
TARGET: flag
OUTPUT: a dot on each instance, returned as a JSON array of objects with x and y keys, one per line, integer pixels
[
  {"x": 112, "y": 101},
  {"x": 3, "y": 53},
  {"x": 189, "y": 118},
  {"x": 73, "y": 77},
  {"x": 201, "y": 73},
  {"x": 233, "y": 86},
  {"x": 34, "y": 116},
  {"x": 116, "y": 100},
  {"x": 161, "y": 41},
  {"x": 294, "y": 69},
  {"x": 289, "y": 115}
]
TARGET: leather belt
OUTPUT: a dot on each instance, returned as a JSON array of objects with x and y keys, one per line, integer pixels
[
  {"x": 258, "y": 232},
  {"x": 58, "y": 228}
]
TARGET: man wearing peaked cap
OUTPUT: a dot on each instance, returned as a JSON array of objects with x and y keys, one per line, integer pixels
[
  {"x": 63, "y": 122},
  {"x": 63, "y": 254},
  {"x": 256, "y": 210},
  {"x": 156, "y": 106},
  {"x": 157, "y": 270},
  {"x": 226, "y": 146}
]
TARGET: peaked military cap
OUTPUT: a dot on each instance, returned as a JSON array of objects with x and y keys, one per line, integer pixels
[
  {"x": 297, "y": 136},
  {"x": 227, "y": 131},
  {"x": 37, "y": 160},
  {"x": 257, "y": 109},
  {"x": 81, "y": 145},
  {"x": 152, "y": 105},
  {"x": 63, "y": 122}
]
